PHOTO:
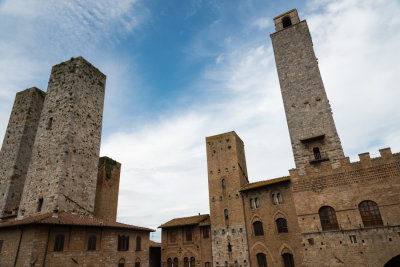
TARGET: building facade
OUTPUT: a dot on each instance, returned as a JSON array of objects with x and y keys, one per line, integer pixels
[
  {"x": 186, "y": 242},
  {"x": 328, "y": 211}
]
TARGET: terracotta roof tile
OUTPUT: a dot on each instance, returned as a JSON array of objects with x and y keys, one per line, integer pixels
[
  {"x": 199, "y": 219},
  {"x": 264, "y": 183},
  {"x": 67, "y": 218}
]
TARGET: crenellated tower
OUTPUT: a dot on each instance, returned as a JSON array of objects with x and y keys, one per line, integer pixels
[
  {"x": 308, "y": 113},
  {"x": 63, "y": 170},
  {"x": 227, "y": 173}
]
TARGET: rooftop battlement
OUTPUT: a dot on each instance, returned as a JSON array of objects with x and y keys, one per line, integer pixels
[{"x": 365, "y": 162}]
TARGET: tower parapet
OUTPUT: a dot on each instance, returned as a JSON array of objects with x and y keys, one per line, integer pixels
[{"x": 63, "y": 171}]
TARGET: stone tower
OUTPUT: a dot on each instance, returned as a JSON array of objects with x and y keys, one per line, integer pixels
[
  {"x": 107, "y": 189},
  {"x": 309, "y": 116},
  {"x": 227, "y": 173},
  {"x": 16, "y": 151},
  {"x": 65, "y": 155}
]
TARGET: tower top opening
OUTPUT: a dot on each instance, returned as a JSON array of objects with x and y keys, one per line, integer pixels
[{"x": 286, "y": 20}]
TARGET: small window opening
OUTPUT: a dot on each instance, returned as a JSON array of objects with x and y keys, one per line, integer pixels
[
  {"x": 192, "y": 261},
  {"x": 206, "y": 232},
  {"x": 138, "y": 243},
  {"x": 50, "y": 123},
  {"x": 40, "y": 204},
  {"x": 226, "y": 214},
  {"x": 121, "y": 263},
  {"x": 229, "y": 247},
  {"x": 353, "y": 239},
  {"x": 317, "y": 153},
  {"x": 281, "y": 225},
  {"x": 277, "y": 198},
  {"x": 223, "y": 184},
  {"x": 59, "y": 243},
  {"x": 286, "y": 22},
  {"x": 92, "y": 242},
  {"x": 258, "y": 228},
  {"x": 137, "y": 264},
  {"x": 189, "y": 235},
  {"x": 1, "y": 245}
]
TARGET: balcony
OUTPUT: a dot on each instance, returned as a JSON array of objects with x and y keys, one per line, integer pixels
[{"x": 318, "y": 157}]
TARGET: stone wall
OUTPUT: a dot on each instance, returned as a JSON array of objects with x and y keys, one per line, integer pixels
[
  {"x": 33, "y": 250},
  {"x": 307, "y": 108},
  {"x": 226, "y": 163},
  {"x": 16, "y": 150},
  {"x": 63, "y": 171},
  {"x": 343, "y": 189},
  {"x": 107, "y": 189}
]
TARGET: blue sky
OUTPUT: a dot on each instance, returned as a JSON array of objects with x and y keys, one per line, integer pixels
[{"x": 178, "y": 71}]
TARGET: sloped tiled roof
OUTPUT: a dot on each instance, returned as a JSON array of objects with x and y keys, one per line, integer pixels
[
  {"x": 264, "y": 183},
  {"x": 201, "y": 220},
  {"x": 67, "y": 218}
]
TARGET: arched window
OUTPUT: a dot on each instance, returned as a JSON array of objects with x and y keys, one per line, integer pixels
[
  {"x": 176, "y": 262},
  {"x": 92, "y": 242},
  {"x": 286, "y": 22},
  {"x": 192, "y": 262},
  {"x": 281, "y": 225},
  {"x": 186, "y": 262},
  {"x": 261, "y": 260},
  {"x": 121, "y": 263},
  {"x": 370, "y": 213},
  {"x": 327, "y": 215},
  {"x": 137, "y": 263},
  {"x": 223, "y": 184},
  {"x": 138, "y": 243},
  {"x": 59, "y": 243},
  {"x": 169, "y": 262},
  {"x": 277, "y": 198},
  {"x": 317, "y": 153},
  {"x": 258, "y": 228},
  {"x": 288, "y": 260},
  {"x": 207, "y": 264}
]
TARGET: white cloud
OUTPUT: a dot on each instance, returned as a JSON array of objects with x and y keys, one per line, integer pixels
[{"x": 262, "y": 23}]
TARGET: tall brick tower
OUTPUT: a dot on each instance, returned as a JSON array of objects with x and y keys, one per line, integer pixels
[
  {"x": 227, "y": 173},
  {"x": 309, "y": 116},
  {"x": 63, "y": 170},
  {"x": 16, "y": 150}
]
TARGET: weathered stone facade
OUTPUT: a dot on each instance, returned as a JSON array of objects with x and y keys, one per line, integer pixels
[
  {"x": 328, "y": 211},
  {"x": 107, "y": 189},
  {"x": 65, "y": 155},
  {"x": 309, "y": 116},
  {"x": 17, "y": 146}
]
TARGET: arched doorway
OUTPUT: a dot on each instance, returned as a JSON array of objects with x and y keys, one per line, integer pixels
[{"x": 394, "y": 262}]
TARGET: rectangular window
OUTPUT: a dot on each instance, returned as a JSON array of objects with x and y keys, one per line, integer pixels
[
  {"x": 92, "y": 242},
  {"x": 206, "y": 232},
  {"x": 1, "y": 245},
  {"x": 172, "y": 238},
  {"x": 353, "y": 239},
  {"x": 123, "y": 243},
  {"x": 189, "y": 235}
]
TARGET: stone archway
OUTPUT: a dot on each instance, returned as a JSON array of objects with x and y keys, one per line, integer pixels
[{"x": 394, "y": 262}]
